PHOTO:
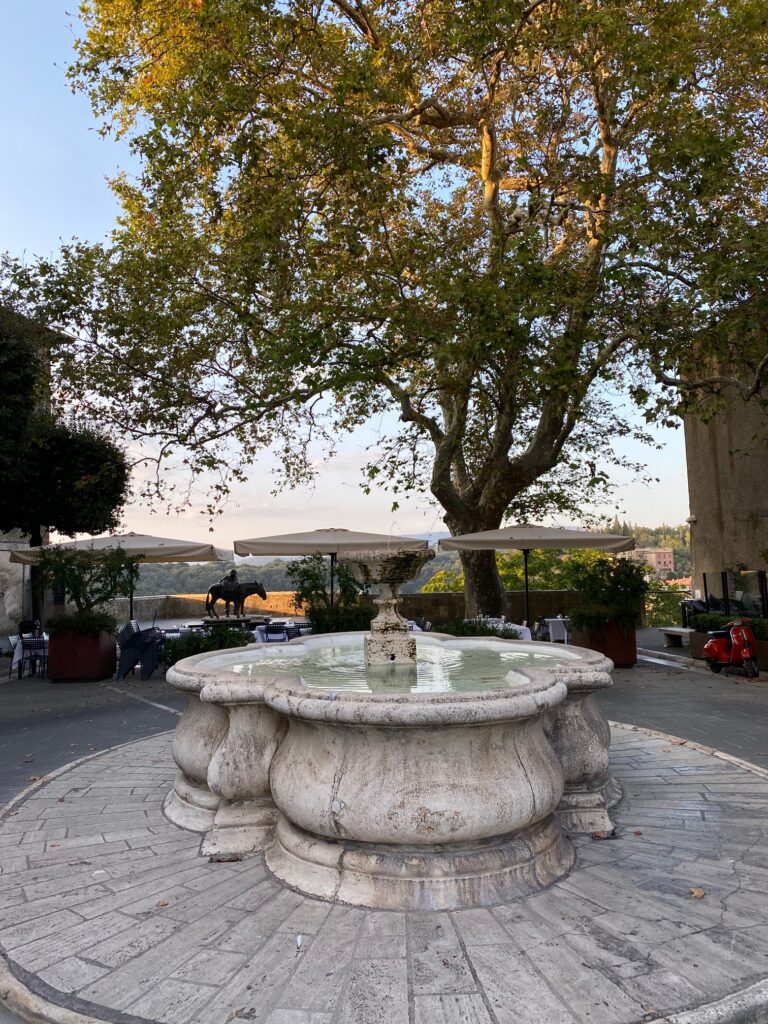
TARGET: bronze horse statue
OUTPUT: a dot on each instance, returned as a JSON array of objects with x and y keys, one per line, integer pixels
[{"x": 234, "y": 594}]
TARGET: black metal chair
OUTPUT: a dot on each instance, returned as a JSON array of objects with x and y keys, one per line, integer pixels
[
  {"x": 292, "y": 632},
  {"x": 139, "y": 648},
  {"x": 34, "y": 653}
]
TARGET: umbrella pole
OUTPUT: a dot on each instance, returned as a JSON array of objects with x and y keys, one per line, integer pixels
[
  {"x": 333, "y": 566},
  {"x": 527, "y": 552}
]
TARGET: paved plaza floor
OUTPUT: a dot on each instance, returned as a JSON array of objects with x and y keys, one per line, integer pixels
[
  {"x": 107, "y": 910},
  {"x": 107, "y": 913}
]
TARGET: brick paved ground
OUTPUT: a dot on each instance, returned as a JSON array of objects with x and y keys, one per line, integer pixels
[{"x": 107, "y": 907}]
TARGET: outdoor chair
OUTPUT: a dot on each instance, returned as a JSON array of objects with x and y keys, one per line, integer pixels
[
  {"x": 138, "y": 647},
  {"x": 275, "y": 633},
  {"x": 12, "y": 641},
  {"x": 34, "y": 654},
  {"x": 558, "y": 631},
  {"x": 292, "y": 632}
]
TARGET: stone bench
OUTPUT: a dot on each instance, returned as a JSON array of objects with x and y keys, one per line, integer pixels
[{"x": 676, "y": 636}]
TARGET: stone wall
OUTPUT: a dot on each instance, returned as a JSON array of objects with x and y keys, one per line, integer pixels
[
  {"x": 434, "y": 607},
  {"x": 11, "y": 583},
  {"x": 438, "y": 607}
]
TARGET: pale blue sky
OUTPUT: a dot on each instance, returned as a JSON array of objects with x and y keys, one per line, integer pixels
[{"x": 53, "y": 173}]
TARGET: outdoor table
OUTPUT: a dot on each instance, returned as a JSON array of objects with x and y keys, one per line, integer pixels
[{"x": 260, "y": 632}]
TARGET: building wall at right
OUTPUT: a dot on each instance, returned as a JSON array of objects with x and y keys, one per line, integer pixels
[{"x": 727, "y": 460}]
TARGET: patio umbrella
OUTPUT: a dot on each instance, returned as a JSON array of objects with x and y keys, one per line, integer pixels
[
  {"x": 139, "y": 546},
  {"x": 331, "y": 542},
  {"x": 525, "y": 538}
]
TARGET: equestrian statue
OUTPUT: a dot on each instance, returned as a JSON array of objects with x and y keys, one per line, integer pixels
[{"x": 230, "y": 590}]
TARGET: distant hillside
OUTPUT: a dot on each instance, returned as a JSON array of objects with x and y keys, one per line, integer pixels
[{"x": 195, "y": 578}]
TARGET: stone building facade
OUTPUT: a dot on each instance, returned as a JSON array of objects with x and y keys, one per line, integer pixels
[
  {"x": 727, "y": 460},
  {"x": 14, "y": 581}
]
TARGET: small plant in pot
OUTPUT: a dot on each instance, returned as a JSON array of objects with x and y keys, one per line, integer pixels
[
  {"x": 612, "y": 593},
  {"x": 82, "y": 642}
]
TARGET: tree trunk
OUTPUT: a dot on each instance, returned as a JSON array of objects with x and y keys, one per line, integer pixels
[{"x": 484, "y": 592}]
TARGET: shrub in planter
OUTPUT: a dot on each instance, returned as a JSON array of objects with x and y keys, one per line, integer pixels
[
  {"x": 340, "y": 618},
  {"x": 82, "y": 643},
  {"x": 612, "y": 593},
  {"x": 311, "y": 578}
]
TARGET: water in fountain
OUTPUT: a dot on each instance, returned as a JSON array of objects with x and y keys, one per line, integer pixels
[{"x": 336, "y": 662}]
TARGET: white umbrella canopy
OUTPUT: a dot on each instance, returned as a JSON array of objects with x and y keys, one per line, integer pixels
[
  {"x": 526, "y": 538},
  {"x": 138, "y": 545},
  {"x": 325, "y": 542},
  {"x": 331, "y": 542}
]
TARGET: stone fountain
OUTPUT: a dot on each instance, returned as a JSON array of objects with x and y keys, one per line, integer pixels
[{"x": 392, "y": 770}]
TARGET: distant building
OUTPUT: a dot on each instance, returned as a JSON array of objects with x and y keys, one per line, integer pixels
[{"x": 661, "y": 560}]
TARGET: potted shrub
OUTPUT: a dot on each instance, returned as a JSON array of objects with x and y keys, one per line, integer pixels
[
  {"x": 611, "y": 596},
  {"x": 310, "y": 577},
  {"x": 82, "y": 641}
]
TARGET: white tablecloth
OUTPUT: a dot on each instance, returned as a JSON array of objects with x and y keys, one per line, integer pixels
[
  {"x": 523, "y": 632},
  {"x": 17, "y": 652}
]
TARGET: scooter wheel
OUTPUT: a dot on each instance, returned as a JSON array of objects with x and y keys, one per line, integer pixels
[
  {"x": 715, "y": 666},
  {"x": 750, "y": 668}
]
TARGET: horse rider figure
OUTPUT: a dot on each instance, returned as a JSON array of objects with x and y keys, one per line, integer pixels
[{"x": 230, "y": 585}]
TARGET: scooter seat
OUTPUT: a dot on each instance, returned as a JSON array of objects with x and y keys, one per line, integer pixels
[{"x": 719, "y": 634}]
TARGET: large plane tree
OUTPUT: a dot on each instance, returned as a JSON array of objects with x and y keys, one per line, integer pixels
[{"x": 489, "y": 222}]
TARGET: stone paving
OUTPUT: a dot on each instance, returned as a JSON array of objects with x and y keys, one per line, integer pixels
[{"x": 106, "y": 908}]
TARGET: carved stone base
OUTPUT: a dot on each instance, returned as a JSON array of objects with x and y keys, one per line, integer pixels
[
  {"x": 189, "y": 805},
  {"x": 242, "y": 827},
  {"x": 611, "y": 791},
  {"x": 443, "y": 877},
  {"x": 583, "y": 810}
]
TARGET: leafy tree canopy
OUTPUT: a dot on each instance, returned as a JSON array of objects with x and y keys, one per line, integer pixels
[
  {"x": 71, "y": 479},
  {"x": 491, "y": 219}
]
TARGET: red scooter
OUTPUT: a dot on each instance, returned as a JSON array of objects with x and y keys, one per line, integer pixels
[{"x": 733, "y": 646}]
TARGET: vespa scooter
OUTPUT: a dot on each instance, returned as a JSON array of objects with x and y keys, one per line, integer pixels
[{"x": 733, "y": 646}]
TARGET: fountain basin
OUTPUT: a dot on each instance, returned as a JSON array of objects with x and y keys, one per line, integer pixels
[
  {"x": 434, "y": 785},
  {"x": 419, "y": 801}
]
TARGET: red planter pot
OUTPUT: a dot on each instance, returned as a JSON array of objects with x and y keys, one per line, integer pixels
[
  {"x": 85, "y": 657},
  {"x": 613, "y": 642}
]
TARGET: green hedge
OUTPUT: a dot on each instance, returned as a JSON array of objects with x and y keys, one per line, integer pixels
[
  {"x": 86, "y": 622},
  {"x": 199, "y": 642},
  {"x": 703, "y": 622}
]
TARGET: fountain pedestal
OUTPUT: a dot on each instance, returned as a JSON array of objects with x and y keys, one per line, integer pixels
[
  {"x": 581, "y": 737},
  {"x": 390, "y": 641},
  {"x": 190, "y": 803},
  {"x": 239, "y": 770}
]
